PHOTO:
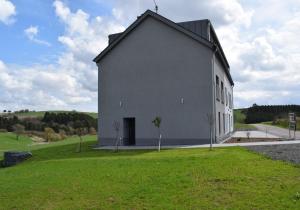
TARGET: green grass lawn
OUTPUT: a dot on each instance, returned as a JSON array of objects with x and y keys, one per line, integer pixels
[
  {"x": 42, "y": 113},
  {"x": 8, "y": 142},
  {"x": 57, "y": 177}
]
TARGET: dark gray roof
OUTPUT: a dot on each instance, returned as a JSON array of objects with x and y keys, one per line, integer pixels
[
  {"x": 199, "y": 30},
  {"x": 199, "y": 27},
  {"x": 113, "y": 37}
]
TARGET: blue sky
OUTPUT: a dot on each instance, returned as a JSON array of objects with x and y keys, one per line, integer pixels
[
  {"x": 19, "y": 50},
  {"x": 47, "y": 47}
]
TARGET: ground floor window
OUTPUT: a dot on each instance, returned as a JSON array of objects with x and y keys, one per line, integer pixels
[
  {"x": 219, "y": 117},
  {"x": 224, "y": 131}
]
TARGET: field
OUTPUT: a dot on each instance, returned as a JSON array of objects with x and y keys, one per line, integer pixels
[
  {"x": 42, "y": 113},
  {"x": 57, "y": 177},
  {"x": 239, "y": 121},
  {"x": 283, "y": 123},
  {"x": 8, "y": 142}
]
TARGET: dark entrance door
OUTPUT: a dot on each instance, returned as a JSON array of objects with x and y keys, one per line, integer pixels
[{"x": 129, "y": 131}]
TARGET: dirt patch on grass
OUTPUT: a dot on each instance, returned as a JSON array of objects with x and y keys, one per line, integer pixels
[{"x": 37, "y": 139}]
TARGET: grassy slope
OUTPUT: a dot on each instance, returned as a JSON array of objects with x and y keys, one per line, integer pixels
[
  {"x": 8, "y": 142},
  {"x": 227, "y": 178},
  {"x": 41, "y": 114},
  {"x": 239, "y": 121},
  {"x": 282, "y": 124}
]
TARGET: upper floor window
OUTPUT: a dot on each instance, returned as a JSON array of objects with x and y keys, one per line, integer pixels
[
  {"x": 222, "y": 92},
  {"x": 226, "y": 98},
  {"x": 230, "y": 101},
  {"x": 217, "y": 88}
]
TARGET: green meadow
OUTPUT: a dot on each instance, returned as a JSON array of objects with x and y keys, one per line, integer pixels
[{"x": 58, "y": 177}]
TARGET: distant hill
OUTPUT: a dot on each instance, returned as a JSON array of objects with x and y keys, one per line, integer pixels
[
  {"x": 42, "y": 113},
  {"x": 276, "y": 115},
  {"x": 265, "y": 113}
]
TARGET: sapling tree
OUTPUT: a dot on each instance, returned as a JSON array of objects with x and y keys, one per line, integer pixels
[
  {"x": 18, "y": 130},
  {"x": 248, "y": 134},
  {"x": 157, "y": 122},
  {"x": 80, "y": 130},
  {"x": 116, "y": 126}
]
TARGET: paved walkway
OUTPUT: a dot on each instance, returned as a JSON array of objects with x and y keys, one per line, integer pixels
[
  {"x": 273, "y": 130},
  {"x": 201, "y": 146}
]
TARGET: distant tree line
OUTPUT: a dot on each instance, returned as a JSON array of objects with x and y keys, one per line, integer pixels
[
  {"x": 59, "y": 122},
  {"x": 70, "y": 119},
  {"x": 18, "y": 111},
  {"x": 7, "y": 123},
  {"x": 257, "y": 114},
  {"x": 24, "y": 111}
]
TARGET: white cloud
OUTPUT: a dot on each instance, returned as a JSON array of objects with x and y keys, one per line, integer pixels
[
  {"x": 32, "y": 32},
  {"x": 219, "y": 11},
  {"x": 71, "y": 82},
  {"x": 7, "y": 11},
  {"x": 261, "y": 56},
  {"x": 41, "y": 87},
  {"x": 84, "y": 38}
]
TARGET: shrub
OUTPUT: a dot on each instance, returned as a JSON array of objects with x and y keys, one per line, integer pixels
[
  {"x": 49, "y": 132},
  {"x": 2, "y": 130},
  {"x": 62, "y": 134},
  {"x": 55, "y": 137},
  {"x": 92, "y": 131}
]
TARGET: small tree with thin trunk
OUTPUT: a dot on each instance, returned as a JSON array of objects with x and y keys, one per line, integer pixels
[
  {"x": 116, "y": 126},
  {"x": 157, "y": 122},
  {"x": 80, "y": 130},
  {"x": 18, "y": 130}
]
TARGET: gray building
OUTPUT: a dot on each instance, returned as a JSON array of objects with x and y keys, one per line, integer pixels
[{"x": 177, "y": 71}]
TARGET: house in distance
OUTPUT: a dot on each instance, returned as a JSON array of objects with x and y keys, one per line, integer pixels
[{"x": 177, "y": 71}]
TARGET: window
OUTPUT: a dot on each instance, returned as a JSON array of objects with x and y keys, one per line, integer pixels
[
  {"x": 224, "y": 129},
  {"x": 229, "y": 123},
  {"x": 226, "y": 98},
  {"x": 230, "y": 100},
  {"x": 219, "y": 116},
  {"x": 217, "y": 88},
  {"x": 222, "y": 92}
]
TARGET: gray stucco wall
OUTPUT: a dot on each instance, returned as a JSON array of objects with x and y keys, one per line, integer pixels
[
  {"x": 149, "y": 72},
  {"x": 223, "y": 108}
]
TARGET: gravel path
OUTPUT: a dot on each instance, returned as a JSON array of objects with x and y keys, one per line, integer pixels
[{"x": 287, "y": 152}]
